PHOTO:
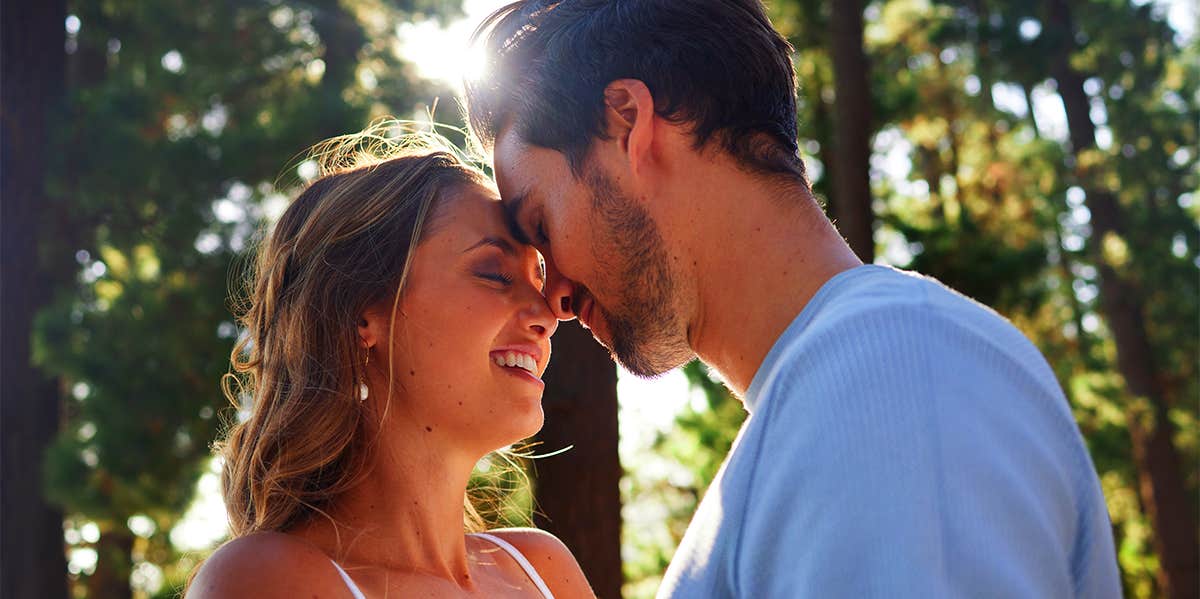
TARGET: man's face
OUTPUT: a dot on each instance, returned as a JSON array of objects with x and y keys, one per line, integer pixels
[{"x": 606, "y": 260}]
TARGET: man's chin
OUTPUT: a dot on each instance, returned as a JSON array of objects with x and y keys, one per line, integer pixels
[
  {"x": 639, "y": 360},
  {"x": 623, "y": 344},
  {"x": 599, "y": 331}
]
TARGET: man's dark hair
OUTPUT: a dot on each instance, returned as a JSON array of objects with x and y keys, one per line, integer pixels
[{"x": 716, "y": 65}]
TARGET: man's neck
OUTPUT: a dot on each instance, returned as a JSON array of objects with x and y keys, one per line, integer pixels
[{"x": 759, "y": 260}]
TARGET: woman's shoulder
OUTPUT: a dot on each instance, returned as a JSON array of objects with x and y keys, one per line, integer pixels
[
  {"x": 268, "y": 565},
  {"x": 551, "y": 558}
]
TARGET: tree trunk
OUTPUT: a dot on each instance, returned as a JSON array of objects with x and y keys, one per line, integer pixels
[
  {"x": 1160, "y": 475},
  {"x": 577, "y": 493},
  {"x": 114, "y": 565},
  {"x": 822, "y": 131},
  {"x": 343, "y": 38},
  {"x": 33, "y": 71},
  {"x": 852, "y": 134}
]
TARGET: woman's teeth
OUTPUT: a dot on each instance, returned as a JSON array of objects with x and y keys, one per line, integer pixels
[{"x": 516, "y": 360}]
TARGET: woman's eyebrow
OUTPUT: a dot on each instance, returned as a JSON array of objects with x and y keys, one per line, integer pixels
[
  {"x": 509, "y": 250},
  {"x": 497, "y": 242}
]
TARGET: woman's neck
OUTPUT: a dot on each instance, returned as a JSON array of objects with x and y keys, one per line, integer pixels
[{"x": 405, "y": 515}]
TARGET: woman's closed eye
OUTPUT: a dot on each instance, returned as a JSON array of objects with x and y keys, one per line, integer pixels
[{"x": 496, "y": 277}]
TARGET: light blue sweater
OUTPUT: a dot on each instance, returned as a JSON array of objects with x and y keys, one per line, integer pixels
[{"x": 903, "y": 441}]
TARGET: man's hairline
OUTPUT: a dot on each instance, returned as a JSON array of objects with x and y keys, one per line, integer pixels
[{"x": 714, "y": 143}]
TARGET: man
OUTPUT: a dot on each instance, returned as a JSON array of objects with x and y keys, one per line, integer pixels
[{"x": 903, "y": 440}]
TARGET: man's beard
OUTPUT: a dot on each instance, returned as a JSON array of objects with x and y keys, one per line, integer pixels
[{"x": 647, "y": 337}]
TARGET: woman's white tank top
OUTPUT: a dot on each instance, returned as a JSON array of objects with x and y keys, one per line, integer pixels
[{"x": 501, "y": 543}]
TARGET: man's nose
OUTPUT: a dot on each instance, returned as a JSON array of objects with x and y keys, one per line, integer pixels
[{"x": 560, "y": 292}]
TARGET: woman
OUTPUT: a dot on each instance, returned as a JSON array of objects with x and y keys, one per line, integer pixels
[{"x": 396, "y": 334}]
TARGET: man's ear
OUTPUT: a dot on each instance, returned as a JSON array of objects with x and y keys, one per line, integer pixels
[{"x": 630, "y": 118}]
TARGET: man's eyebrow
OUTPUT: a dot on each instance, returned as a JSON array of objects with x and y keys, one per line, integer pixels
[
  {"x": 498, "y": 242},
  {"x": 512, "y": 212}
]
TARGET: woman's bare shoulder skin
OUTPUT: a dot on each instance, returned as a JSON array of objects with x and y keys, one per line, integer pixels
[
  {"x": 551, "y": 558},
  {"x": 268, "y": 565}
]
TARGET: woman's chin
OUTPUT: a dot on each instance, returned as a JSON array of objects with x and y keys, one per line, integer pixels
[
  {"x": 522, "y": 430},
  {"x": 532, "y": 424}
]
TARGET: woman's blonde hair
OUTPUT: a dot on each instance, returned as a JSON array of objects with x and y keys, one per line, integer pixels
[{"x": 344, "y": 244}]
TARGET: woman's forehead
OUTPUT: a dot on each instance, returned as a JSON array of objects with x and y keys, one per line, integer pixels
[{"x": 474, "y": 214}]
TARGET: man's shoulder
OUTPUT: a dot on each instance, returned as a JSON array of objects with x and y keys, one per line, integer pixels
[
  {"x": 899, "y": 343},
  {"x": 881, "y": 311},
  {"x": 874, "y": 292}
]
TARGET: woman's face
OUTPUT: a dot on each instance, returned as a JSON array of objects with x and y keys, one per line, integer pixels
[{"x": 472, "y": 332}]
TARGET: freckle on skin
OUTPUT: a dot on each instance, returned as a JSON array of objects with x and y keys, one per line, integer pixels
[
  {"x": 429, "y": 429},
  {"x": 412, "y": 373}
]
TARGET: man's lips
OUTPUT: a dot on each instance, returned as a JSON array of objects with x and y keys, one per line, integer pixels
[
  {"x": 592, "y": 319},
  {"x": 585, "y": 312}
]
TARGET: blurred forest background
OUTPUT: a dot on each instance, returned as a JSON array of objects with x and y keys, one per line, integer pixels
[{"x": 1039, "y": 156}]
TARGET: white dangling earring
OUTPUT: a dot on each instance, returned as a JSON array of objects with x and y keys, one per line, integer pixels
[{"x": 362, "y": 387}]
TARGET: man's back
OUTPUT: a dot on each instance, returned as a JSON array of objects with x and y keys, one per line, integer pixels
[{"x": 903, "y": 441}]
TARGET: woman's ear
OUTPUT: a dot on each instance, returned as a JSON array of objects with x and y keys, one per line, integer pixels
[{"x": 369, "y": 328}]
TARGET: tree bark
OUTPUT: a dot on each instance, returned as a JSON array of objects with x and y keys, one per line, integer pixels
[
  {"x": 1160, "y": 474},
  {"x": 114, "y": 565},
  {"x": 33, "y": 72},
  {"x": 577, "y": 493},
  {"x": 343, "y": 38},
  {"x": 852, "y": 134}
]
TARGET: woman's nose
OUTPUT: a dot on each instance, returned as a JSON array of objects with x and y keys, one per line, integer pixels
[
  {"x": 559, "y": 292},
  {"x": 540, "y": 318}
]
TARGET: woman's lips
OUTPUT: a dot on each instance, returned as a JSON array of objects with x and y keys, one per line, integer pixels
[
  {"x": 520, "y": 360},
  {"x": 522, "y": 374}
]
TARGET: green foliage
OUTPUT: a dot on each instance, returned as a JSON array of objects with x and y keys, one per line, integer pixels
[
  {"x": 180, "y": 119},
  {"x": 687, "y": 458},
  {"x": 500, "y": 490},
  {"x": 981, "y": 193}
]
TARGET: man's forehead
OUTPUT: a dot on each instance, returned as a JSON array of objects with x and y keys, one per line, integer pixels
[{"x": 509, "y": 154}]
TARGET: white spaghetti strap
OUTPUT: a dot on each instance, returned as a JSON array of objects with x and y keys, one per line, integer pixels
[
  {"x": 525, "y": 565},
  {"x": 349, "y": 583}
]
